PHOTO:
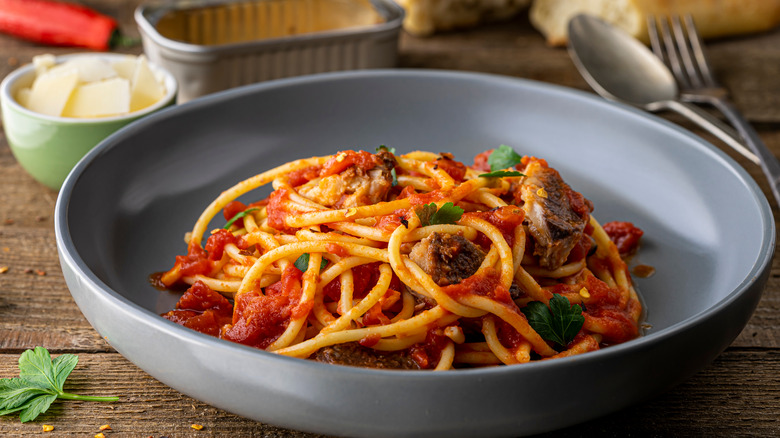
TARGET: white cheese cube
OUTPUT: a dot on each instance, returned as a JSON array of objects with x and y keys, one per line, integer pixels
[
  {"x": 43, "y": 63},
  {"x": 145, "y": 89},
  {"x": 100, "y": 99},
  {"x": 23, "y": 96},
  {"x": 51, "y": 91},
  {"x": 126, "y": 67},
  {"x": 90, "y": 68}
]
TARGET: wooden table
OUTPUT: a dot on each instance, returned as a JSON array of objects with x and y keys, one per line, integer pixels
[{"x": 738, "y": 394}]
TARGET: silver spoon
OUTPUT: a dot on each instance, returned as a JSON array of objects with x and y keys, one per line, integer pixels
[{"x": 622, "y": 69}]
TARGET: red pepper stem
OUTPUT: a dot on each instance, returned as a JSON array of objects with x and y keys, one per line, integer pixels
[{"x": 119, "y": 40}]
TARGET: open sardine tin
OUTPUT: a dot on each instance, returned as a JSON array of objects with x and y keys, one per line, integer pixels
[{"x": 213, "y": 45}]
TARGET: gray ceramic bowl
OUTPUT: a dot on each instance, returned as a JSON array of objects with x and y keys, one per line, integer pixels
[{"x": 711, "y": 262}]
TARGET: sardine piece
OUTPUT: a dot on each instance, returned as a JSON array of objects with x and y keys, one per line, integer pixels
[
  {"x": 447, "y": 258},
  {"x": 353, "y": 187},
  {"x": 554, "y": 223}
]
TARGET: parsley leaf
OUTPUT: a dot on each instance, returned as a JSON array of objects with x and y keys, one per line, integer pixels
[
  {"x": 238, "y": 216},
  {"x": 385, "y": 148},
  {"x": 40, "y": 382},
  {"x": 302, "y": 262},
  {"x": 395, "y": 177},
  {"x": 430, "y": 214},
  {"x": 426, "y": 212},
  {"x": 500, "y": 173},
  {"x": 559, "y": 323},
  {"x": 503, "y": 158}
]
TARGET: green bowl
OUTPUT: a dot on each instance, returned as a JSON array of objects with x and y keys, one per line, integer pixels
[{"x": 49, "y": 147}]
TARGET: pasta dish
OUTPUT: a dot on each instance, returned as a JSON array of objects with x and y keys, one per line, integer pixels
[{"x": 412, "y": 261}]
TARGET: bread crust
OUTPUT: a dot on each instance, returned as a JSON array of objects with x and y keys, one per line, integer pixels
[
  {"x": 426, "y": 17},
  {"x": 714, "y": 18}
]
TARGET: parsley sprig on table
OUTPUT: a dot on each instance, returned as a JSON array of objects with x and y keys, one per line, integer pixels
[
  {"x": 559, "y": 323},
  {"x": 40, "y": 382}
]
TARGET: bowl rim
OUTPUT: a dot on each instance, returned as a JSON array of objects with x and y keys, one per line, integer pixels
[
  {"x": 8, "y": 83},
  {"x": 70, "y": 256}
]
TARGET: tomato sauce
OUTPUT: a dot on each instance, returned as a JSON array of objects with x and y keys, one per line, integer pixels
[
  {"x": 454, "y": 169},
  {"x": 406, "y": 192},
  {"x": 375, "y": 316},
  {"x": 625, "y": 235},
  {"x": 526, "y": 160},
  {"x": 428, "y": 353},
  {"x": 345, "y": 159},
  {"x": 481, "y": 161},
  {"x": 506, "y": 219},
  {"x": 484, "y": 283},
  {"x": 507, "y": 335},
  {"x": 278, "y": 210},
  {"x": 336, "y": 249},
  {"x": 370, "y": 340},
  {"x": 232, "y": 209},
  {"x": 195, "y": 262},
  {"x": 426, "y": 198},
  {"x": 302, "y": 176},
  {"x": 364, "y": 278},
  {"x": 202, "y": 309},
  {"x": 604, "y": 306},
  {"x": 215, "y": 245},
  {"x": 388, "y": 223},
  {"x": 260, "y": 318},
  {"x": 580, "y": 250}
]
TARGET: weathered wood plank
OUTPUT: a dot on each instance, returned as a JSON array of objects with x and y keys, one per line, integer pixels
[
  {"x": 739, "y": 388},
  {"x": 739, "y": 391},
  {"x": 747, "y": 66}
]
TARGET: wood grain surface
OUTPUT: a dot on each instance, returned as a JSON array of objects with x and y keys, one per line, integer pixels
[{"x": 737, "y": 395}]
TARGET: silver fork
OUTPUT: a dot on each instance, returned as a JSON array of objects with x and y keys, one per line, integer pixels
[{"x": 679, "y": 45}]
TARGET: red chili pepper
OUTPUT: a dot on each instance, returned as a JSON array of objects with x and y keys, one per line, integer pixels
[{"x": 58, "y": 23}]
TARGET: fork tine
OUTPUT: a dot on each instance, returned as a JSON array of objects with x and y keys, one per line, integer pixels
[
  {"x": 698, "y": 52},
  {"x": 685, "y": 53},
  {"x": 672, "y": 55},
  {"x": 655, "y": 42}
]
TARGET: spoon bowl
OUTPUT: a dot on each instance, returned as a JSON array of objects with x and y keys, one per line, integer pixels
[
  {"x": 617, "y": 67},
  {"x": 622, "y": 69}
]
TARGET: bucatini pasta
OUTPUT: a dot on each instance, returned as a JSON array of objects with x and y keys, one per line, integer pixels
[{"x": 412, "y": 261}]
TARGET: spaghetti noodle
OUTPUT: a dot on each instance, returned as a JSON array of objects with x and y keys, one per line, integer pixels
[{"x": 408, "y": 261}]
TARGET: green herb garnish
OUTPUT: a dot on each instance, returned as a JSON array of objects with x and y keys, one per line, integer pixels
[
  {"x": 40, "y": 382},
  {"x": 430, "y": 214},
  {"x": 500, "y": 173},
  {"x": 238, "y": 216},
  {"x": 385, "y": 148},
  {"x": 503, "y": 158},
  {"x": 559, "y": 323},
  {"x": 302, "y": 262}
]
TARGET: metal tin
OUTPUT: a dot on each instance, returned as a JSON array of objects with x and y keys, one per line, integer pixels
[{"x": 213, "y": 45}]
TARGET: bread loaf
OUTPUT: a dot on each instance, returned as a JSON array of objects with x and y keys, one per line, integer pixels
[
  {"x": 425, "y": 17},
  {"x": 713, "y": 18}
]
